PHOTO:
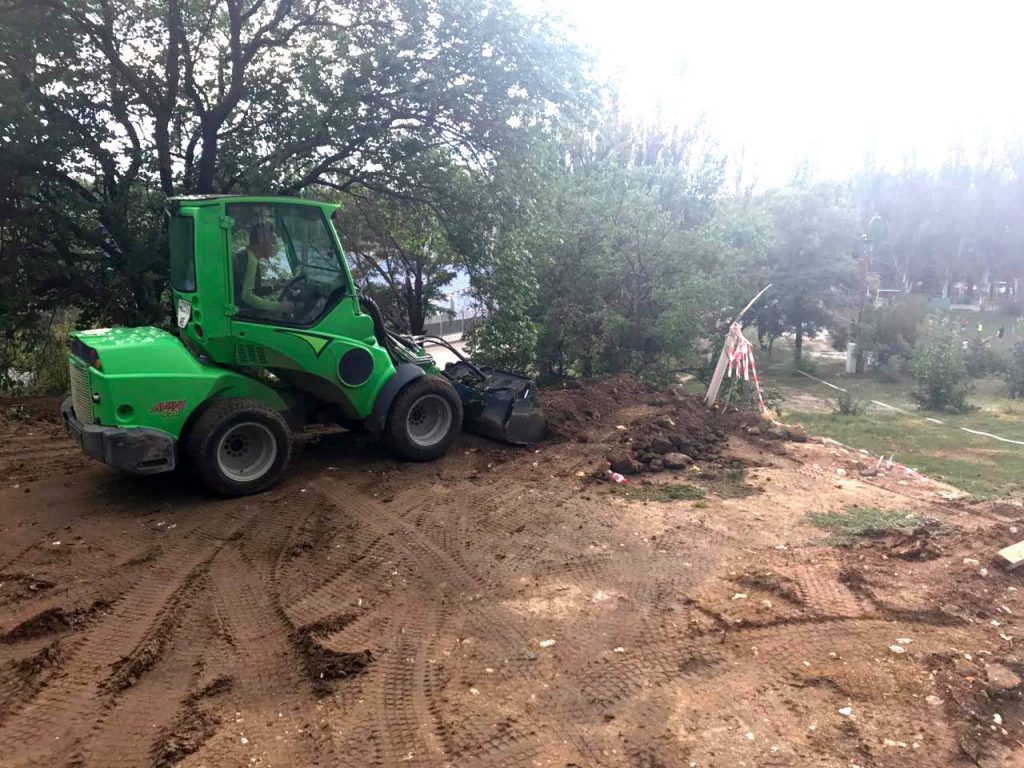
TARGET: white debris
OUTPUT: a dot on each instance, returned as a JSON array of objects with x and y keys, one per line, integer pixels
[
  {"x": 897, "y": 649},
  {"x": 904, "y": 640},
  {"x": 971, "y": 561},
  {"x": 740, "y": 596},
  {"x": 933, "y": 700},
  {"x": 244, "y": 741},
  {"x": 546, "y": 643},
  {"x": 997, "y": 719},
  {"x": 618, "y": 649},
  {"x": 750, "y": 735},
  {"x": 474, "y": 691},
  {"x": 846, "y": 711}
]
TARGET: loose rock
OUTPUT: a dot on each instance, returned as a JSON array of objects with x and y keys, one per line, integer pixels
[
  {"x": 1001, "y": 677},
  {"x": 622, "y": 461},
  {"x": 677, "y": 460}
]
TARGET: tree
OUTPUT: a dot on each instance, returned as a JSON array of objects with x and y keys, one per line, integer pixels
[
  {"x": 400, "y": 255},
  {"x": 810, "y": 260},
  {"x": 108, "y": 106}
]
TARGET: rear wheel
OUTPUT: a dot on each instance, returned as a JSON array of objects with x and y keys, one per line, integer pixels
[
  {"x": 239, "y": 446},
  {"x": 424, "y": 419}
]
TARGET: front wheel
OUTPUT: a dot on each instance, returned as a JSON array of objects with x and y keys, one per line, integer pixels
[
  {"x": 239, "y": 446},
  {"x": 424, "y": 419}
]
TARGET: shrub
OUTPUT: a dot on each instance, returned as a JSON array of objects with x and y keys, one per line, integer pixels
[
  {"x": 979, "y": 358},
  {"x": 1015, "y": 371},
  {"x": 890, "y": 371},
  {"x": 939, "y": 370},
  {"x": 847, "y": 405},
  {"x": 743, "y": 394},
  {"x": 839, "y": 337}
]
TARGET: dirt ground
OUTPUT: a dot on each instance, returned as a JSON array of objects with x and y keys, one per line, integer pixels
[{"x": 503, "y": 607}]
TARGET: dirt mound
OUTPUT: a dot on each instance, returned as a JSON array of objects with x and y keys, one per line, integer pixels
[
  {"x": 573, "y": 407},
  {"x": 663, "y": 429}
]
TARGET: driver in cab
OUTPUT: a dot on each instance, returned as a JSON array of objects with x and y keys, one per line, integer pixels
[{"x": 251, "y": 267}]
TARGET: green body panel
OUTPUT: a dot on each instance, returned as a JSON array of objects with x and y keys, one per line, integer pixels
[{"x": 147, "y": 378}]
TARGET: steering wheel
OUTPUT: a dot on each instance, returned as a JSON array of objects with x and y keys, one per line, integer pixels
[
  {"x": 302, "y": 294},
  {"x": 295, "y": 289}
]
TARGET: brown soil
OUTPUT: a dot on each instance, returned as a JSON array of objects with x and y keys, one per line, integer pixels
[{"x": 372, "y": 613}]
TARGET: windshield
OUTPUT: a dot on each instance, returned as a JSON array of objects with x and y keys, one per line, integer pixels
[{"x": 285, "y": 263}]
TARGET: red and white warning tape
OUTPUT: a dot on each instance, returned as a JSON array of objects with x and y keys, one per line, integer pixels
[{"x": 741, "y": 361}]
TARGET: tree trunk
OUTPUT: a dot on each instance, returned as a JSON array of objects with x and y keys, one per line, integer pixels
[
  {"x": 208, "y": 159},
  {"x": 798, "y": 344}
]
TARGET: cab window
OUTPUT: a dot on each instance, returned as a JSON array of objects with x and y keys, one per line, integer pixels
[
  {"x": 284, "y": 262},
  {"x": 182, "y": 244}
]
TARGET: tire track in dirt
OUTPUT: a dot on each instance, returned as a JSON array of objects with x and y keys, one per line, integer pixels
[
  {"x": 77, "y": 696},
  {"x": 401, "y": 685},
  {"x": 123, "y": 733},
  {"x": 265, "y": 704}
]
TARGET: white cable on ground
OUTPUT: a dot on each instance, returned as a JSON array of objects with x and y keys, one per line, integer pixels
[
  {"x": 994, "y": 437},
  {"x": 908, "y": 413},
  {"x": 820, "y": 381}
]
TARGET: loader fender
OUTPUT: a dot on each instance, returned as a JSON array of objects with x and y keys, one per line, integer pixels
[{"x": 404, "y": 373}]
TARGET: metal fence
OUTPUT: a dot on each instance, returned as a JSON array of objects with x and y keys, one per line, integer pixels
[{"x": 441, "y": 325}]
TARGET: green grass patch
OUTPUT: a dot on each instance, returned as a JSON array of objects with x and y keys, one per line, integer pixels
[
  {"x": 659, "y": 492},
  {"x": 863, "y": 522},
  {"x": 976, "y": 464},
  {"x": 728, "y": 483}
]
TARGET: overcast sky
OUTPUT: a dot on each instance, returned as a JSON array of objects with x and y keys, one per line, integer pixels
[{"x": 826, "y": 81}]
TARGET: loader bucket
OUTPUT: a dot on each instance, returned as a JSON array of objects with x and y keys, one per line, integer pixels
[{"x": 498, "y": 404}]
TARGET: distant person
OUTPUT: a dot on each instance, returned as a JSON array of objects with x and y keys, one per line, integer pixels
[
  {"x": 981, "y": 328},
  {"x": 1001, "y": 332}
]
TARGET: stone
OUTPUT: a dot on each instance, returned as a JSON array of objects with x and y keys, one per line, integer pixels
[
  {"x": 798, "y": 435},
  {"x": 677, "y": 460},
  {"x": 776, "y": 433},
  {"x": 755, "y": 431},
  {"x": 622, "y": 461},
  {"x": 1001, "y": 677},
  {"x": 660, "y": 445},
  {"x": 666, "y": 422},
  {"x": 656, "y": 465}
]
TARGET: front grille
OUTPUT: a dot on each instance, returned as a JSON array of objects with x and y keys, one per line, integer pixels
[
  {"x": 81, "y": 396},
  {"x": 250, "y": 355}
]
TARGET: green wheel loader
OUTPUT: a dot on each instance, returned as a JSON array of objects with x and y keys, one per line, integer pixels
[{"x": 272, "y": 335}]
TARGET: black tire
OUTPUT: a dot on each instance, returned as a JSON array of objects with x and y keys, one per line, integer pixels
[
  {"x": 221, "y": 465},
  {"x": 424, "y": 393}
]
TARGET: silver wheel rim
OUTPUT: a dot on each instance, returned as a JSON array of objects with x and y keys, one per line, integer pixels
[
  {"x": 246, "y": 452},
  {"x": 429, "y": 420}
]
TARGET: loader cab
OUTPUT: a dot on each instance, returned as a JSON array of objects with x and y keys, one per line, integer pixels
[{"x": 261, "y": 284}]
